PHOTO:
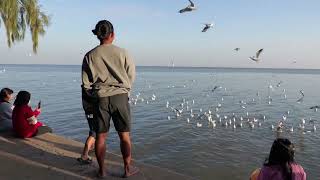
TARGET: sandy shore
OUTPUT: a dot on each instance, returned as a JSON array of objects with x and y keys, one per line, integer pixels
[{"x": 54, "y": 157}]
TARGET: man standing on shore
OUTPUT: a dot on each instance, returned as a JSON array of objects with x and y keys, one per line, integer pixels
[{"x": 108, "y": 73}]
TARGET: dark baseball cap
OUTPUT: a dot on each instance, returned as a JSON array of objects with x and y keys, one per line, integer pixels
[{"x": 103, "y": 29}]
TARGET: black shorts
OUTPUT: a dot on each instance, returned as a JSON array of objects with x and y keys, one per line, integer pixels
[
  {"x": 88, "y": 107},
  {"x": 116, "y": 107}
]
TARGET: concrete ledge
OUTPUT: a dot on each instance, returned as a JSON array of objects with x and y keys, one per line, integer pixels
[{"x": 50, "y": 156}]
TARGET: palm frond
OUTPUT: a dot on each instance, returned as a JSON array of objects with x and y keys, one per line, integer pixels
[{"x": 17, "y": 15}]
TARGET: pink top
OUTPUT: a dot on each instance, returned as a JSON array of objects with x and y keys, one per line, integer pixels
[{"x": 275, "y": 173}]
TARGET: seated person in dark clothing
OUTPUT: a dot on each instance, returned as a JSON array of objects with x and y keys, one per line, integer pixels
[{"x": 6, "y": 95}]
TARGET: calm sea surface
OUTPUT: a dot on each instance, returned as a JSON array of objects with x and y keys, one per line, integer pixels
[{"x": 203, "y": 152}]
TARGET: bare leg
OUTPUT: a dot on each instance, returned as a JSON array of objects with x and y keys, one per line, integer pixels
[
  {"x": 125, "y": 145},
  {"x": 87, "y": 147},
  {"x": 100, "y": 150}
]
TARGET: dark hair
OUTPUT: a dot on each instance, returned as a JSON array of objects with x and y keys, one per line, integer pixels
[
  {"x": 22, "y": 98},
  {"x": 4, "y": 93},
  {"x": 282, "y": 153},
  {"x": 103, "y": 29}
]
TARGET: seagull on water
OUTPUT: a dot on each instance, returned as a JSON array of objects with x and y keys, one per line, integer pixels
[
  {"x": 279, "y": 84},
  {"x": 199, "y": 124},
  {"x": 189, "y": 8},
  {"x": 214, "y": 124},
  {"x": 284, "y": 118},
  {"x": 153, "y": 98},
  {"x": 207, "y": 26},
  {"x": 251, "y": 125},
  {"x": 236, "y": 49},
  {"x": 291, "y": 129},
  {"x": 256, "y": 57},
  {"x": 240, "y": 124}
]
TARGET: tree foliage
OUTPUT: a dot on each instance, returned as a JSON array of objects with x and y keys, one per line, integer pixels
[{"x": 17, "y": 15}]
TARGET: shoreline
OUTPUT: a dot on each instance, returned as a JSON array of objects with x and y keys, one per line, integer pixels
[{"x": 50, "y": 156}]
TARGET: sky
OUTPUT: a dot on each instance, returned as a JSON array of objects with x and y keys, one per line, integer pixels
[{"x": 155, "y": 33}]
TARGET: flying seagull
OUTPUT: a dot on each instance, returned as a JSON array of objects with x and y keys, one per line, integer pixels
[
  {"x": 301, "y": 99},
  {"x": 189, "y": 8},
  {"x": 237, "y": 49},
  {"x": 207, "y": 26},
  {"x": 315, "y": 107},
  {"x": 256, "y": 58},
  {"x": 178, "y": 110},
  {"x": 215, "y": 88}
]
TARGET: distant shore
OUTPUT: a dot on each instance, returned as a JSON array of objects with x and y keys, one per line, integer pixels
[{"x": 183, "y": 67}]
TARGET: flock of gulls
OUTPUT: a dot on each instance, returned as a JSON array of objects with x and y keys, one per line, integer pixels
[
  {"x": 216, "y": 115},
  {"x": 185, "y": 110},
  {"x": 207, "y": 26},
  {"x": 192, "y": 7}
]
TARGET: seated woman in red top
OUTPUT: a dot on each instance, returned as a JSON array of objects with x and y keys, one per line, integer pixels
[{"x": 24, "y": 120}]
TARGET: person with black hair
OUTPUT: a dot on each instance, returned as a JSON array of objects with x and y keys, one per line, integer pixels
[
  {"x": 108, "y": 73},
  {"x": 24, "y": 120},
  {"x": 280, "y": 164},
  {"x": 6, "y": 95}
]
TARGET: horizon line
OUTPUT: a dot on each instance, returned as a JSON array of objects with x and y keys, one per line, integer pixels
[{"x": 162, "y": 66}]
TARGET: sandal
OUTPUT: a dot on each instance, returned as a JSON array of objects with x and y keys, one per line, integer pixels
[{"x": 84, "y": 161}]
